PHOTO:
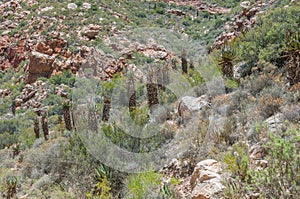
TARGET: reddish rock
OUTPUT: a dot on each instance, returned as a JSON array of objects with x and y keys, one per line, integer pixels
[
  {"x": 16, "y": 54},
  {"x": 176, "y": 12},
  {"x": 43, "y": 48},
  {"x": 40, "y": 65},
  {"x": 91, "y": 31}
]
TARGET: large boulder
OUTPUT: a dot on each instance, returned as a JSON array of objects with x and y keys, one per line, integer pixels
[
  {"x": 206, "y": 181},
  {"x": 91, "y": 31},
  {"x": 40, "y": 65},
  {"x": 188, "y": 105}
]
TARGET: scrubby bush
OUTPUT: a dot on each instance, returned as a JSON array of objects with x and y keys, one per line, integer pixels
[
  {"x": 66, "y": 78},
  {"x": 281, "y": 178},
  {"x": 267, "y": 40},
  {"x": 148, "y": 185}
]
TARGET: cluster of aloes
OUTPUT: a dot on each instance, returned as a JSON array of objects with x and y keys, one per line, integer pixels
[{"x": 10, "y": 187}]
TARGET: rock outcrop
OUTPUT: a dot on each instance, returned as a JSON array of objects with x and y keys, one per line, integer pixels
[
  {"x": 200, "y": 181},
  {"x": 201, "y": 6},
  {"x": 206, "y": 181},
  {"x": 188, "y": 106},
  {"x": 91, "y": 31},
  {"x": 245, "y": 20}
]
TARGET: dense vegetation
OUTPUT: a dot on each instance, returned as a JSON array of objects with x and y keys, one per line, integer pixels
[{"x": 42, "y": 154}]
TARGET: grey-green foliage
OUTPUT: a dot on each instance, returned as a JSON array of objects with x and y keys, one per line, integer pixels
[{"x": 281, "y": 178}]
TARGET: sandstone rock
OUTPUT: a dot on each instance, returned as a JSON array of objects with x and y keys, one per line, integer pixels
[
  {"x": 179, "y": 168},
  {"x": 259, "y": 165},
  {"x": 4, "y": 92},
  {"x": 206, "y": 181},
  {"x": 102, "y": 65},
  {"x": 72, "y": 6},
  {"x": 40, "y": 65},
  {"x": 208, "y": 190},
  {"x": 252, "y": 11},
  {"x": 189, "y": 105},
  {"x": 18, "y": 102},
  {"x": 202, "y": 167},
  {"x": 43, "y": 48},
  {"x": 47, "y": 9},
  {"x": 91, "y": 31},
  {"x": 256, "y": 152},
  {"x": 156, "y": 54}
]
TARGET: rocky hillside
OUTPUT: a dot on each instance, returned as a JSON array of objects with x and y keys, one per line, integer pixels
[{"x": 149, "y": 99}]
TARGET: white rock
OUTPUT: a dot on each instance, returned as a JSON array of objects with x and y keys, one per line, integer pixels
[
  {"x": 86, "y": 6},
  {"x": 72, "y": 6},
  {"x": 190, "y": 105},
  {"x": 245, "y": 4},
  {"x": 46, "y": 9},
  {"x": 275, "y": 122},
  {"x": 206, "y": 182}
]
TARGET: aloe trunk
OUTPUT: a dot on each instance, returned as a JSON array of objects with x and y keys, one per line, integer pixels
[
  {"x": 152, "y": 92},
  {"x": 131, "y": 94},
  {"x": 67, "y": 116},
  {"x": 36, "y": 128},
  {"x": 45, "y": 126}
]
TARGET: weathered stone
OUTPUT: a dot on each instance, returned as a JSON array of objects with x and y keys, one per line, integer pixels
[
  {"x": 189, "y": 105},
  {"x": 91, "y": 31},
  {"x": 207, "y": 190},
  {"x": 275, "y": 122},
  {"x": 256, "y": 152},
  {"x": 252, "y": 11},
  {"x": 245, "y": 4},
  {"x": 176, "y": 12},
  {"x": 18, "y": 102},
  {"x": 47, "y": 9},
  {"x": 40, "y": 63},
  {"x": 206, "y": 181},
  {"x": 241, "y": 70},
  {"x": 86, "y": 6},
  {"x": 72, "y": 6},
  {"x": 43, "y": 48}
]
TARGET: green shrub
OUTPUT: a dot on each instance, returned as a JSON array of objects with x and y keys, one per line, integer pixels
[
  {"x": 281, "y": 178},
  {"x": 66, "y": 78},
  {"x": 143, "y": 185},
  {"x": 7, "y": 139},
  {"x": 10, "y": 187},
  {"x": 9, "y": 126},
  {"x": 267, "y": 40},
  {"x": 238, "y": 160}
]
